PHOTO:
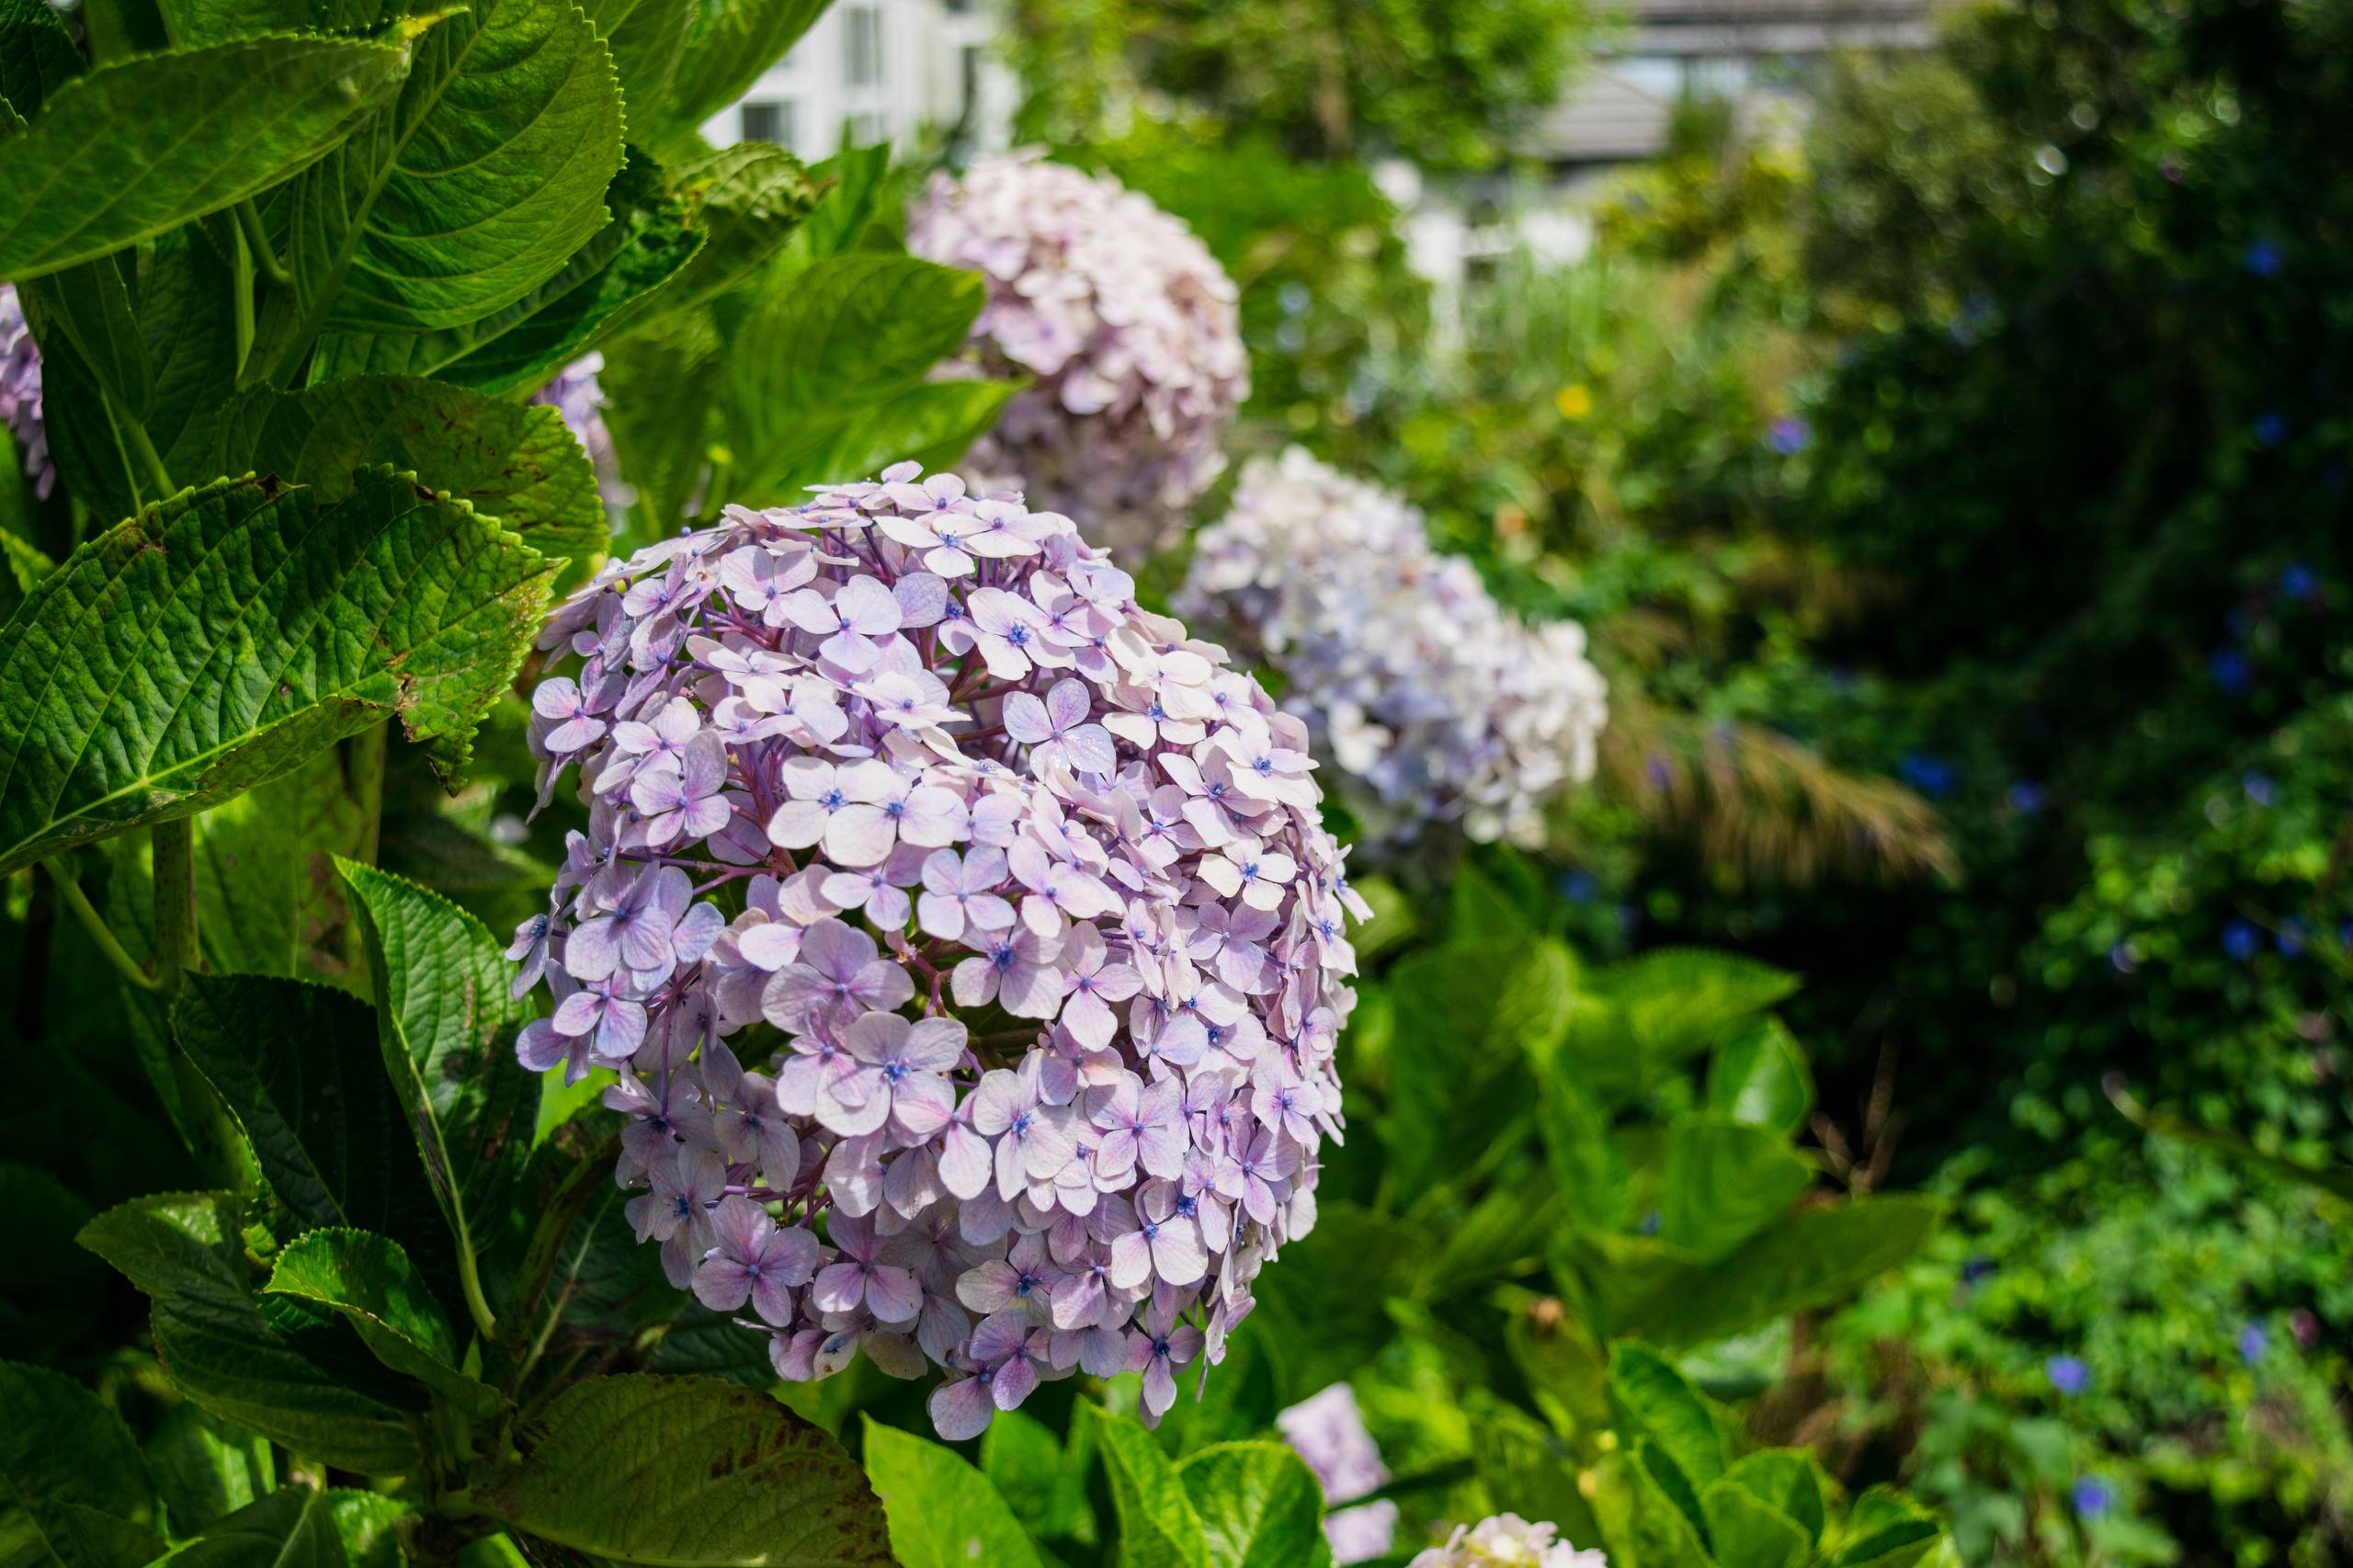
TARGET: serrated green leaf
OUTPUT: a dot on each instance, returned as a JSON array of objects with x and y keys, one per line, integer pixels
[
  {"x": 1725, "y": 1180},
  {"x": 220, "y": 640},
  {"x": 1587, "y": 1170},
  {"x": 205, "y": 1468},
  {"x": 134, "y": 148},
  {"x": 748, "y": 200},
  {"x": 300, "y": 1067},
  {"x": 1642, "y": 1526},
  {"x": 475, "y": 187},
  {"x": 445, "y": 1024},
  {"x": 185, "y": 1251},
  {"x": 893, "y": 316},
  {"x": 650, "y": 238},
  {"x": 1885, "y": 1529},
  {"x": 732, "y": 42},
  {"x": 1260, "y": 1506},
  {"x": 217, "y": 21},
  {"x": 369, "y": 1282},
  {"x": 73, "y": 1489},
  {"x": 1649, "y": 1399},
  {"x": 289, "y": 1529},
  {"x": 516, "y": 462},
  {"x": 688, "y": 1470},
  {"x": 91, "y": 309},
  {"x": 37, "y": 54},
  {"x": 861, "y": 189},
  {"x": 1158, "y": 1526},
  {"x": 1747, "y": 1532},
  {"x": 943, "y": 1512},
  {"x": 648, "y": 38},
  {"x": 1760, "y": 1076},
  {"x": 1680, "y": 1001},
  {"x": 188, "y": 322},
  {"x": 1786, "y": 1481},
  {"x": 21, "y": 567}
]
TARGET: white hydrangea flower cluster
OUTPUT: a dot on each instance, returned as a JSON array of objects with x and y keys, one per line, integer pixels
[
  {"x": 1431, "y": 700},
  {"x": 1123, "y": 322},
  {"x": 1507, "y": 1541},
  {"x": 966, "y": 942},
  {"x": 21, "y": 406}
]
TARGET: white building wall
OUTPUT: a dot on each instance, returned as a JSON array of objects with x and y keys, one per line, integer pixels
[{"x": 881, "y": 71}]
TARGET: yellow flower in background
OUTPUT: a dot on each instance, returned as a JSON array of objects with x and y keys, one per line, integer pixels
[{"x": 1574, "y": 401}]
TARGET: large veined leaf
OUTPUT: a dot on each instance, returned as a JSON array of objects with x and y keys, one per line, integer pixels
[
  {"x": 517, "y": 462},
  {"x": 218, "y": 640},
  {"x": 475, "y": 186},
  {"x": 1158, "y": 1526},
  {"x": 943, "y": 1512},
  {"x": 732, "y": 43},
  {"x": 129, "y": 149},
  {"x": 185, "y": 1251},
  {"x": 294, "y": 1527},
  {"x": 688, "y": 1470},
  {"x": 445, "y": 1025},
  {"x": 892, "y": 317},
  {"x": 1726, "y": 1179},
  {"x": 648, "y": 39},
  {"x": 1648, "y": 1398},
  {"x": 1260, "y": 1506},
  {"x": 205, "y": 1468},
  {"x": 300, "y": 1067},
  {"x": 650, "y": 238},
  {"x": 74, "y": 1490},
  {"x": 369, "y": 1282},
  {"x": 187, "y": 322},
  {"x": 1748, "y": 1532},
  {"x": 746, "y": 202},
  {"x": 1760, "y": 1077}
]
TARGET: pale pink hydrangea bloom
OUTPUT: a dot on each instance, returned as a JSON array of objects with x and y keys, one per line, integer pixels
[
  {"x": 1122, "y": 322},
  {"x": 966, "y": 944},
  {"x": 1329, "y": 1433},
  {"x": 576, "y": 393},
  {"x": 20, "y": 406},
  {"x": 1507, "y": 1541},
  {"x": 1432, "y": 702}
]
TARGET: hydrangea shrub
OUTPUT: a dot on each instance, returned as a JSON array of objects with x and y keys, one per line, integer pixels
[
  {"x": 964, "y": 940},
  {"x": 1434, "y": 703},
  {"x": 1124, "y": 323},
  {"x": 1507, "y": 1541},
  {"x": 21, "y": 406}
]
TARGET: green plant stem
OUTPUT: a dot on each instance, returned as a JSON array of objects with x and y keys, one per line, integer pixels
[
  {"x": 249, "y": 220},
  {"x": 470, "y": 1280},
  {"x": 242, "y": 301},
  {"x": 145, "y": 449},
  {"x": 95, "y": 925}
]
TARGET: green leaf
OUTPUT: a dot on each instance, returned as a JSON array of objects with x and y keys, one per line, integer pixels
[
  {"x": 662, "y": 391},
  {"x": 931, "y": 424},
  {"x": 290, "y": 1529},
  {"x": 1642, "y": 1526},
  {"x": 219, "y": 640},
  {"x": 748, "y": 200},
  {"x": 1805, "y": 1259},
  {"x": 1260, "y": 1506},
  {"x": 1680, "y": 1001},
  {"x": 92, "y": 309},
  {"x": 368, "y": 1523},
  {"x": 369, "y": 1282},
  {"x": 1726, "y": 1179},
  {"x": 1885, "y": 1530},
  {"x": 517, "y": 462},
  {"x": 648, "y": 38},
  {"x": 93, "y": 459},
  {"x": 861, "y": 191},
  {"x": 74, "y": 1490},
  {"x": 475, "y": 187},
  {"x": 1748, "y": 1532},
  {"x": 37, "y": 54},
  {"x": 1760, "y": 1076},
  {"x": 205, "y": 1468},
  {"x": 1044, "y": 1485},
  {"x": 943, "y": 1512},
  {"x": 650, "y": 238},
  {"x": 1588, "y": 1170},
  {"x": 732, "y": 42},
  {"x": 1158, "y": 1526},
  {"x": 21, "y": 567},
  {"x": 688, "y": 1470},
  {"x": 217, "y": 21},
  {"x": 185, "y": 1252},
  {"x": 1523, "y": 1472},
  {"x": 300, "y": 1067},
  {"x": 445, "y": 1025},
  {"x": 187, "y": 322},
  {"x": 133, "y": 148},
  {"x": 1784, "y": 1480},
  {"x": 1649, "y": 1399},
  {"x": 1328, "y": 1307}
]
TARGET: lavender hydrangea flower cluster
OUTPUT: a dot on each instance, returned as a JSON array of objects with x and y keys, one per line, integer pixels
[
  {"x": 1328, "y": 1432},
  {"x": 576, "y": 394},
  {"x": 1507, "y": 1541},
  {"x": 1123, "y": 322},
  {"x": 965, "y": 939},
  {"x": 1435, "y": 703},
  {"x": 20, "y": 394}
]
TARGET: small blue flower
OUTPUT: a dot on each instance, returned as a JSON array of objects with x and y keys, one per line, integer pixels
[
  {"x": 2263, "y": 258},
  {"x": 1932, "y": 775},
  {"x": 1976, "y": 1268},
  {"x": 1650, "y": 1222},
  {"x": 2092, "y": 1496},
  {"x": 2258, "y": 786},
  {"x": 2123, "y": 958},
  {"x": 1789, "y": 436},
  {"x": 2068, "y": 1374},
  {"x": 2253, "y": 1342},
  {"x": 1579, "y": 887},
  {"x": 2231, "y": 671},
  {"x": 2028, "y": 797},
  {"x": 2270, "y": 427},
  {"x": 2293, "y": 937},
  {"x": 2300, "y": 581},
  {"x": 2242, "y": 939}
]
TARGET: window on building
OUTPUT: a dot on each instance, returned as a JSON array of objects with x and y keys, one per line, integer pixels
[
  {"x": 769, "y": 120},
  {"x": 862, "y": 45}
]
